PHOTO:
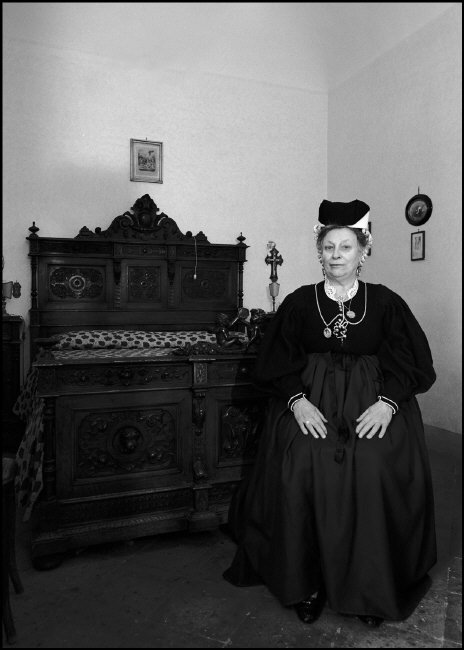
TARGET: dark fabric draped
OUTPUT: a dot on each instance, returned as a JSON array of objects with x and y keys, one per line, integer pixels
[{"x": 354, "y": 513}]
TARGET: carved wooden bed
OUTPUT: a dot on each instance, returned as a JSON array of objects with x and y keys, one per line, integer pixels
[{"x": 147, "y": 422}]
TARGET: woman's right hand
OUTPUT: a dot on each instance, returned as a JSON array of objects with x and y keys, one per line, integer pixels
[{"x": 309, "y": 418}]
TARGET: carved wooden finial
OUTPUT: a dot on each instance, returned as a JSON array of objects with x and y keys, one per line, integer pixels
[
  {"x": 86, "y": 232},
  {"x": 33, "y": 229}
]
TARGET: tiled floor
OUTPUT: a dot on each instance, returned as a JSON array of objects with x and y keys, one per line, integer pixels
[{"x": 167, "y": 592}]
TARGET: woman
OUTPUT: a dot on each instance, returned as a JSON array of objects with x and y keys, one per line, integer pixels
[{"x": 339, "y": 506}]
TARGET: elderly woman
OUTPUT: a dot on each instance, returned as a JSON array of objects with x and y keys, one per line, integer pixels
[{"x": 339, "y": 506}]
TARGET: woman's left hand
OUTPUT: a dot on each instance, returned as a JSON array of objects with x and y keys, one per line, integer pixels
[{"x": 374, "y": 419}]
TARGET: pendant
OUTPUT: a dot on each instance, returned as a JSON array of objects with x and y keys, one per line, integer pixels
[
  {"x": 327, "y": 332},
  {"x": 350, "y": 314}
]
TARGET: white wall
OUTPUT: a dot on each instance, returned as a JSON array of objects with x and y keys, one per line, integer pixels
[
  {"x": 251, "y": 157},
  {"x": 239, "y": 156},
  {"x": 394, "y": 127}
]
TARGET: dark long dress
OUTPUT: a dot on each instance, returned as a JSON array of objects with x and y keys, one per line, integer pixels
[{"x": 354, "y": 514}]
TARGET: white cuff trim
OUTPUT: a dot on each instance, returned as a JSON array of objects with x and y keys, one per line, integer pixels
[
  {"x": 293, "y": 400},
  {"x": 389, "y": 402}
]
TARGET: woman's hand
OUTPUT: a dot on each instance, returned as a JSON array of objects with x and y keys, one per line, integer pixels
[
  {"x": 374, "y": 419},
  {"x": 309, "y": 418}
]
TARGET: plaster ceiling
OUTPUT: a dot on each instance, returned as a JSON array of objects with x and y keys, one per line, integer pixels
[{"x": 315, "y": 45}]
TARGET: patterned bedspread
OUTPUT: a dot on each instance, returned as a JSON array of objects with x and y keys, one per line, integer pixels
[
  {"x": 87, "y": 355},
  {"x": 29, "y": 458}
]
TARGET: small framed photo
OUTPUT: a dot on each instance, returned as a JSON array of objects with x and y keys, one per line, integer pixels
[
  {"x": 146, "y": 161},
  {"x": 418, "y": 245}
]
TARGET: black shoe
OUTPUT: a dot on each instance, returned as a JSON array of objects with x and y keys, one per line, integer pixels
[
  {"x": 371, "y": 621},
  {"x": 309, "y": 610}
]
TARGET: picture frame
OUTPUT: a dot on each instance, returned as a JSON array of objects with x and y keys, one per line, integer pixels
[
  {"x": 146, "y": 161},
  {"x": 418, "y": 245}
]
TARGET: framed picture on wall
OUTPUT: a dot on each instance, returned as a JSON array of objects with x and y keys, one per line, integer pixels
[
  {"x": 146, "y": 161},
  {"x": 418, "y": 245}
]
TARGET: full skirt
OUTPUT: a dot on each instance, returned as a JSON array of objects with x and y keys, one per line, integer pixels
[{"x": 353, "y": 514}]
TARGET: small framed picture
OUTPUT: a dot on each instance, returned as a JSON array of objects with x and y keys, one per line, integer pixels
[
  {"x": 146, "y": 161},
  {"x": 418, "y": 245}
]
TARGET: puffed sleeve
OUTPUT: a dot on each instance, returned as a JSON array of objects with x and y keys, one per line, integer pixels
[
  {"x": 281, "y": 356},
  {"x": 404, "y": 355}
]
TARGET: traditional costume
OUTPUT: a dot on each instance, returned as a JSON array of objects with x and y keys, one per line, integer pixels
[{"x": 352, "y": 515}]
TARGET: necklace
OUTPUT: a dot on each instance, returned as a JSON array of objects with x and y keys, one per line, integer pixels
[
  {"x": 340, "y": 324},
  {"x": 350, "y": 313}
]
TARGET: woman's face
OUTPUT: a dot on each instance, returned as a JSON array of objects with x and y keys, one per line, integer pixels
[{"x": 340, "y": 254}]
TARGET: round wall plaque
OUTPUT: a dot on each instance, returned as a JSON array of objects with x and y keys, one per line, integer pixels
[{"x": 418, "y": 209}]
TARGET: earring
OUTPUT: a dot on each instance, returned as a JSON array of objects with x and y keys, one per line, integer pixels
[
  {"x": 358, "y": 270},
  {"x": 323, "y": 272}
]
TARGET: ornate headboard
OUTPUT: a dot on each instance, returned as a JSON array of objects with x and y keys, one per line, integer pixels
[{"x": 140, "y": 273}]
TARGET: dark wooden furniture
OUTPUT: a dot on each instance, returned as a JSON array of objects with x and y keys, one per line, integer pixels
[
  {"x": 138, "y": 446},
  {"x": 12, "y": 362},
  {"x": 9, "y": 567}
]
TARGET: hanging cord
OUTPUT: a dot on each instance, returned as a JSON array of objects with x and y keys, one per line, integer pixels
[{"x": 196, "y": 259}]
